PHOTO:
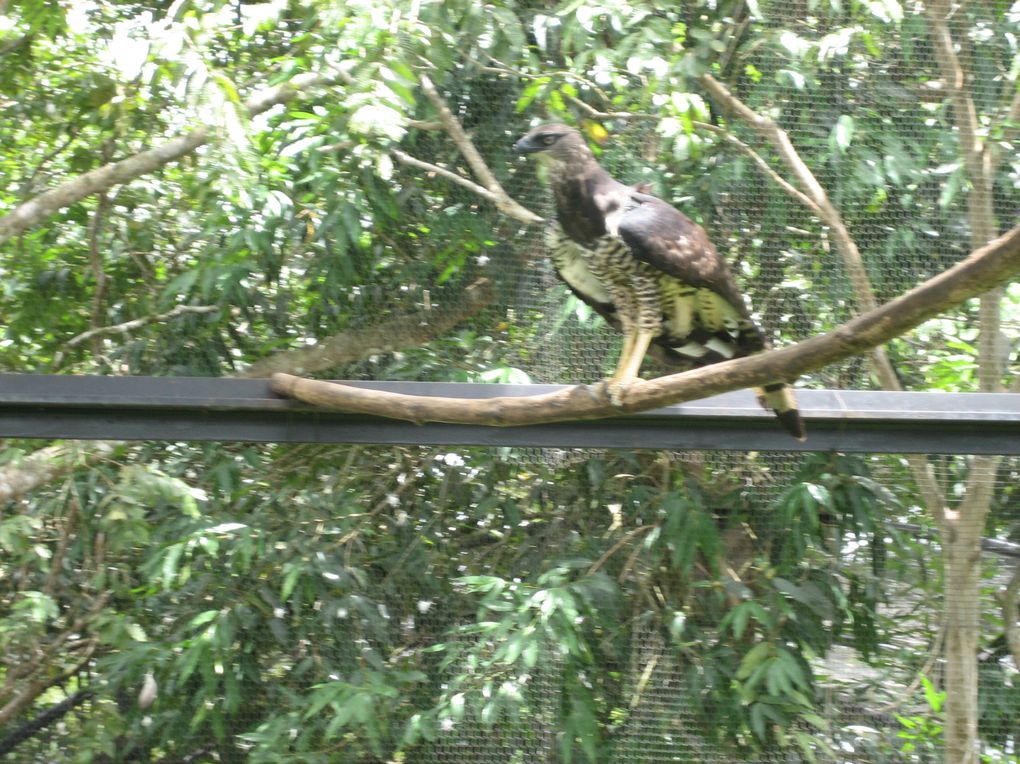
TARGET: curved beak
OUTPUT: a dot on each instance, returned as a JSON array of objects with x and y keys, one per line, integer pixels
[{"x": 525, "y": 146}]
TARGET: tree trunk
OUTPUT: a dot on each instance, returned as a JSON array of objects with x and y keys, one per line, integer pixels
[
  {"x": 961, "y": 529},
  {"x": 962, "y": 565}
]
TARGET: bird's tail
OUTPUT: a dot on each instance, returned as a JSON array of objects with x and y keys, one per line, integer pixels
[{"x": 779, "y": 397}]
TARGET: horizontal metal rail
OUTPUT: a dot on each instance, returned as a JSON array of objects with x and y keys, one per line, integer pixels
[{"x": 191, "y": 408}]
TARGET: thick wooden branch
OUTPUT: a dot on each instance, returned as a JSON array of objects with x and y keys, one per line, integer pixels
[
  {"x": 990, "y": 266},
  {"x": 37, "y": 209}
]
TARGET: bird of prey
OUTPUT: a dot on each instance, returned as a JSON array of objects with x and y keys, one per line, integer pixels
[{"x": 647, "y": 269}]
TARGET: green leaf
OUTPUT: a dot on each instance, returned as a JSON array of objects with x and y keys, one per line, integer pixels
[
  {"x": 753, "y": 658},
  {"x": 843, "y": 132}
]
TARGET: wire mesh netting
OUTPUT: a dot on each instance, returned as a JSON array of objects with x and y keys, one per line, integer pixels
[{"x": 433, "y": 605}]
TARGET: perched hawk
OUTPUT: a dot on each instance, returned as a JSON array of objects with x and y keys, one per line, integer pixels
[{"x": 647, "y": 269}]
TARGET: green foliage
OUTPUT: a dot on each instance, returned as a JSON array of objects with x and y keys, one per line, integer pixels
[
  {"x": 302, "y": 603},
  {"x": 922, "y": 734}
]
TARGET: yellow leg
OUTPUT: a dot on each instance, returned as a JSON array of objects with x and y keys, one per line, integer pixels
[
  {"x": 635, "y": 345},
  {"x": 628, "y": 347},
  {"x": 630, "y": 361}
]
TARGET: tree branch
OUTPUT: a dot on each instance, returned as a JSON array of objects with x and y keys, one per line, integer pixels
[
  {"x": 771, "y": 132},
  {"x": 502, "y": 200},
  {"x": 724, "y": 134},
  {"x": 131, "y": 325},
  {"x": 43, "y": 720},
  {"x": 35, "y": 210},
  {"x": 764, "y": 166},
  {"x": 985, "y": 268},
  {"x": 405, "y": 331},
  {"x": 47, "y": 464},
  {"x": 977, "y": 162},
  {"x": 52, "y": 462},
  {"x": 411, "y": 161},
  {"x": 1010, "y": 126},
  {"x": 852, "y": 261}
]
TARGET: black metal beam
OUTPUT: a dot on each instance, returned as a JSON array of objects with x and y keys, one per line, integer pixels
[{"x": 187, "y": 408}]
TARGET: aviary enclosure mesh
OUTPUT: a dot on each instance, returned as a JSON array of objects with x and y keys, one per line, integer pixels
[{"x": 785, "y": 261}]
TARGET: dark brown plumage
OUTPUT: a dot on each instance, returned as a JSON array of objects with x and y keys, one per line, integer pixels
[{"x": 646, "y": 268}]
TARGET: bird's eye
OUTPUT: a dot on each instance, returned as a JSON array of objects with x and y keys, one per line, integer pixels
[{"x": 549, "y": 140}]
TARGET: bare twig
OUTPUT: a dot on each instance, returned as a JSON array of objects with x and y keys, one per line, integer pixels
[
  {"x": 28, "y": 473},
  {"x": 1010, "y": 128},
  {"x": 411, "y": 161},
  {"x": 29, "y": 691},
  {"x": 764, "y": 166},
  {"x": 72, "y": 134},
  {"x": 43, "y": 720},
  {"x": 771, "y": 132},
  {"x": 933, "y": 655},
  {"x": 421, "y": 124},
  {"x": 14, "y": 44},
  {"x": 96, "y": 256},
  {"x": 501, "y": 198},
  {"x": 504, "y": 68},
  {"x": 616, "y": 547},
  {"x": 989, "y": 266},
  {"x": 723, "y": 133},
  {"x": 594, "y": 113},
  {"x": 129, "y": 326},
  {"x": 47, "y": 464}
]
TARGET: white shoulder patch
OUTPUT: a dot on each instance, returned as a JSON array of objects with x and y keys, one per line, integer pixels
[{"x": 613, "y": 205}]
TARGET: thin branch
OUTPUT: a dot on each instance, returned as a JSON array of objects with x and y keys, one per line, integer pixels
[
  {"x": 617, "y": 546},
  {"x": 771, "y": 132},
  {"x": 504, "y": 68},
  {"x": 934, "y": 654},
  {"x": 990, "y": 545},
  {"x": 27, "y": 692},
  {"x": 96, "y": 256},
  {"x": 72, "y": 135},
  {"x": 421, "y": 124},
  {"x": 45, "y": 465},
  {"x": 992, "y": 265},
  {"x": 37, "y": 209},
  {"x": 1010, "y": 127},
  {"x": 129, "y": 326},
  {"x": 14, "y": 44},
  {"x": 594, "y": 113},
  {"x": 501, "y": 198},
  {"x": 411, "y": 161},
  {"x": 724, "y": 134},
  {"x": 764, "y": 166}
]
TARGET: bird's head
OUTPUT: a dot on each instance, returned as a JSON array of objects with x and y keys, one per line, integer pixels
[{"x": 555, "y": 144}]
